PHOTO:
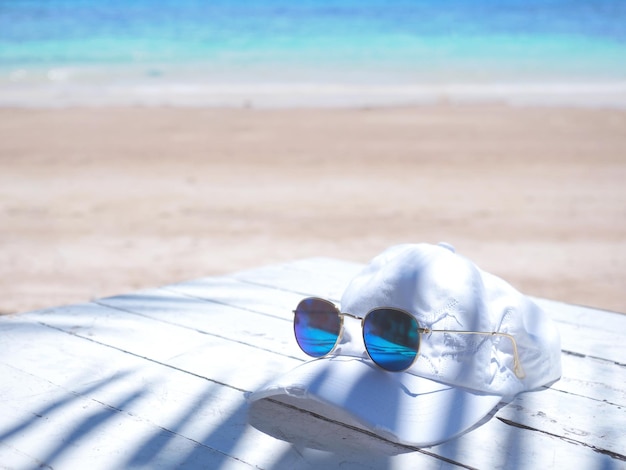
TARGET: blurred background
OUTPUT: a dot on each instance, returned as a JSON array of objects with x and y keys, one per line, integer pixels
[
  {"x": 275, "y": 52},
  {"x": 149, "y": 142}
]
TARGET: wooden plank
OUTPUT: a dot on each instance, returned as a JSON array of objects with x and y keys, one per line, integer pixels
[
  {"x": 584, "y": 317},
  {"x": 607, "y": 345},
  {"x": 257, "y": 298},
  {"x": 593, "y": 378},
  {"x": 315, "y": 277},
  {"x": 595, "y": 423}
]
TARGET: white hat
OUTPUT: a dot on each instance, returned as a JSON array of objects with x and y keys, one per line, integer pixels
[{"x": 457, "y": 379}]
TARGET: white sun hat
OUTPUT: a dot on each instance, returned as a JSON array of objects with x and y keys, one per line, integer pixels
[{"x": 457, "y": 379}]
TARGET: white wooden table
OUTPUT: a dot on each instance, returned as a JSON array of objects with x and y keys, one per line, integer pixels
[{"x": 159, "y": 378}]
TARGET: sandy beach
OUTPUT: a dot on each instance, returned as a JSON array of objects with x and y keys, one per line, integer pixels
[{"x": 102, "y": 201}]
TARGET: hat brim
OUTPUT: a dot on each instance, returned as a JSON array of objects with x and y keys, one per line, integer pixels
[{"x": 400, "y": 407}]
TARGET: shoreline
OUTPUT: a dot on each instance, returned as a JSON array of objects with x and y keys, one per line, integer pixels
[
  {"x": 202, "y": 85},
  {"x": 105, "y": 200},
  {"x": 311, "y": 95}
]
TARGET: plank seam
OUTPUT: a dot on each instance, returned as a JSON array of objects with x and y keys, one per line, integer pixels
[
  {"x": 40, "y": 463},
  {"x": 115, "y": 409},
  {"x": 599, "y": 450},
  {"x": 154, "y": 361},
  {"x": 213, "y": 301},
  {"x": 603, "y": 359},
  {"x": 370, "y": 434},
  {"x": 178, "y": 325},
  {"x": 585, "y": 397},
  {"x": 281, "y": 289}
]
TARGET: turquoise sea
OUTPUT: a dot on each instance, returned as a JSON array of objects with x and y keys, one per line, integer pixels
[{"x": 279, "y": 52}]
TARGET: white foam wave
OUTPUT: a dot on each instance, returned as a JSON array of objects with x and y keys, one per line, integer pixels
[{"x": 271, "y": 95}]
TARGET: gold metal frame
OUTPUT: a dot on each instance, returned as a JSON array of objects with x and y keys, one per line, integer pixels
[{"x": 517, "y": 366}]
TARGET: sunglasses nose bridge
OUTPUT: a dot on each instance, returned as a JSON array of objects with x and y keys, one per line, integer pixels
[
  {"x": 351, "y": 342},
  {"x": 347, "y": 314}
]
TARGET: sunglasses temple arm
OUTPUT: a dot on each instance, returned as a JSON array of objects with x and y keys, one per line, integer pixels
[{"x": 517, "y": 365}]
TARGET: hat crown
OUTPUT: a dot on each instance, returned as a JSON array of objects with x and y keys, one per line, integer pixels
[{"x": 446, "y": 291}]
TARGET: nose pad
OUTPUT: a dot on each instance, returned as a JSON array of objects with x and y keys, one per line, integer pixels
[{"x": 351, "y": 343}]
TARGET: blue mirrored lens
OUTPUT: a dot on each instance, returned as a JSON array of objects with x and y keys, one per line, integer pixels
[
  {"x": 317, "y": 325},
  {"x": 391, "y": 338}
]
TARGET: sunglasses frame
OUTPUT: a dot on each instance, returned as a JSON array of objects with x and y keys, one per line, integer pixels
[{"x": 517, "y": 366}]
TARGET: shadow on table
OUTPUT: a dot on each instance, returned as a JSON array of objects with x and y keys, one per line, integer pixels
[{"x": 185, "y": 440}]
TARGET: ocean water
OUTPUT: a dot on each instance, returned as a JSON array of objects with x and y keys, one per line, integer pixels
[{"x": 279, "y": 52}]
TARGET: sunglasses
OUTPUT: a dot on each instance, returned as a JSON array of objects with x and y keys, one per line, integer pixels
[{"x": 392, "y": 336}]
